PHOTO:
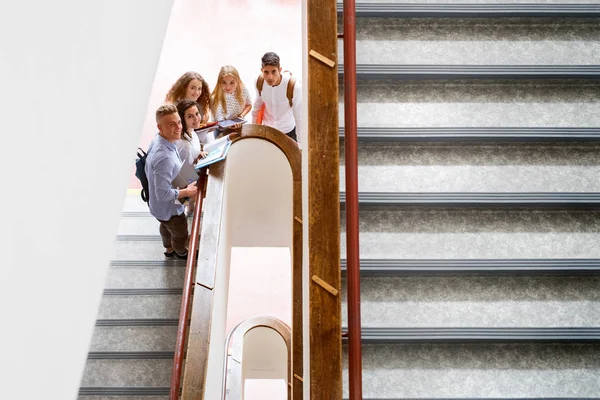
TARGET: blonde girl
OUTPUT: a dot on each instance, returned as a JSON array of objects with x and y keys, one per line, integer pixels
[
  {"x": 191, "y": 86},
  {"x": 230, "y": 98}
]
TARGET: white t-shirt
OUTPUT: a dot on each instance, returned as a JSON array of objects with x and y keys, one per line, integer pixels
[
  {"x": 278, "y": 113},
  {"x": 189, "y": 150}
]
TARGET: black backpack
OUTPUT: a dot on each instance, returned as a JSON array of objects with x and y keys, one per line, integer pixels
[{"x": 140, "y": 172}]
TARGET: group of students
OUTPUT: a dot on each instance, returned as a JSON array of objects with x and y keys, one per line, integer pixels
[{"x": 189, "y": 106}]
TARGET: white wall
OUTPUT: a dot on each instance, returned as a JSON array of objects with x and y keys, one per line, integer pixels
[{"x": 75, "y": 77}]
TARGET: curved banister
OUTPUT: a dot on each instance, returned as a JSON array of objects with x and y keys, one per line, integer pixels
[
  {"x": 235, "y": 348},
  {"x": 187, "y": 288},
  {"x": 193, "y": 384}
]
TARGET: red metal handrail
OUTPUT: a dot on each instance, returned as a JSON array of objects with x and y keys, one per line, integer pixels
[
  {"x": 352, "y": 230},
  {"x": 186, "y": 298}
]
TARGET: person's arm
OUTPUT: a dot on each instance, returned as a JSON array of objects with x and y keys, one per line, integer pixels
[
  {"x": 247, "y": 102},
  {"x": 163, "y": 188},
  {"x": 297, "y": 110},
  {"x": 258, "y": 104}
]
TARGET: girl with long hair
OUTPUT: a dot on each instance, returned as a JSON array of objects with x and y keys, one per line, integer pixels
[
  {"x": 191, "y": 86},
  {"x": 230, "y": 98}
]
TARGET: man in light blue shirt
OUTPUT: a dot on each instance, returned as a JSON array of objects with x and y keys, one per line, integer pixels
[{"x": 162, "y": 166}]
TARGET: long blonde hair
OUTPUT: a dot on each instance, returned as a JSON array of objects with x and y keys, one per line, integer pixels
[{"x": 218, "y": 96}]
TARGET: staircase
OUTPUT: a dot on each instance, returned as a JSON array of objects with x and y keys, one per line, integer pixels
[
  {"x": 132, "y": 349},
  {"x": 479, "y": 180}
]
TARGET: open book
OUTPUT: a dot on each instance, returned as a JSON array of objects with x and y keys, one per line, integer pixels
[{"x": 217, "y": 154}]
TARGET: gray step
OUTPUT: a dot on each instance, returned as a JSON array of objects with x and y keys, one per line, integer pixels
[
  {"x": 470, "y": 134},
  {"x": 127, "y": 372},
  {"x": 448, "y": 199},
  {"x": 429, "y": 267},
  {"x": 476, "y": 234},
  {"x": 141, "y": 223},
  {"x": 145, "y": 276},
  {"x": 133, "y": 338},
  {"x": 478, "y": 114},
  {"x": 499, "y": 52},
  {"x": 138, "y": 248},
  {"x": 124, "y": 393},
  {"x": 507, "y": 168},
  {"x": 406, "y": 72},
  {"x": 140, "y": 306},
  {"x": 478, "y": 10},
  {"x": 475, "y": 301},
  {"x": 538, "y": 371},
  {"x": 477, "y": 335}
]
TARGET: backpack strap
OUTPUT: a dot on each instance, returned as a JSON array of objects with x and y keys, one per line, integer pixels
[
  {"x": 259, "y": 84},
  {"x": 290, "y": 89}
]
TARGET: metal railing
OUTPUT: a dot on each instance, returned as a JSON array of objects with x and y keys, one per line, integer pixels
[{"x": 352, "y": 227}]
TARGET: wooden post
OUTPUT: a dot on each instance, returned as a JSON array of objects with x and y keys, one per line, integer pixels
[{"x": 323, "y": 201}]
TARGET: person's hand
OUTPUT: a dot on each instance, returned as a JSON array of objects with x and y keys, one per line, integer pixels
[
  {"x": 190, "y": 191},
  {"x": 236, "y": 126},
  {"x": 201, "y": 156}
]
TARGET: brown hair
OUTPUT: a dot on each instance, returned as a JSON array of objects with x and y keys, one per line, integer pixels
[
  {"x": 177, "y": 91},
  {"x": 182, "y": 107},
  {"x": 218, "y": 97},
  {"x": 165, "y": 109}
]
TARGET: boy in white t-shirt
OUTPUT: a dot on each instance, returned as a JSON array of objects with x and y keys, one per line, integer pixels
[{"x": 278, "y": 98}]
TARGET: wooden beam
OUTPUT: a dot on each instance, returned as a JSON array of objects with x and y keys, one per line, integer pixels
[{"x": 323, "y": 202}]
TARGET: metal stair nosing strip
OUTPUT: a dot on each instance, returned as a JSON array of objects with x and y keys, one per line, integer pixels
[
  {"x": 481, "y": 199},
  {"x": 138, "y": 322},
  {"x": 481, "y": 398},
  {"x": 454, "y": 71},
  {"x": 470, "y": 335},
  {"x": 147, "y": 263},
  {"x": 124, "y": 391},
  {"x": 432, "y": 267},
  {"x": 466, "y": 134},
  {"x": 143, "y": 292},
  {"x": 131, "y": 355},
  {"x": 478, "y": 10}
]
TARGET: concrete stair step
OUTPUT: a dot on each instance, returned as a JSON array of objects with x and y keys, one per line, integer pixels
[
  {"x": 476, "y": 233},
  {"x": 145, "y": 276},
  {"x": 483, "y": 302},
  {"x": 542, "y": 371},
  {"x": 473, "y": 52},
  {"x": 145, "y": 305},
  {"x": 133, "y": 338},
  {"x": 476, "y": 114},
  {"x": 146, "y": 372}
]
